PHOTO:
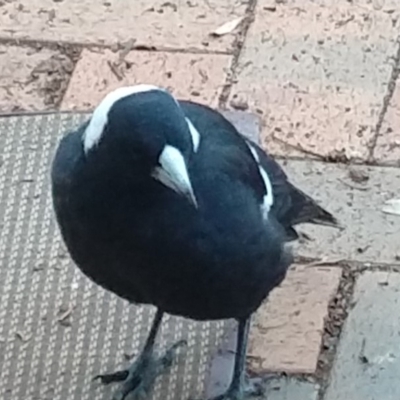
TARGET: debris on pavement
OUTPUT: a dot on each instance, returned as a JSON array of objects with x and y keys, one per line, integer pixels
[
  {"x": 358, "y": 175},
  {"x": 22, "y": 337},
  {"x": 392, "y": 207},
  {"x": 65, "y": 314},
  {"x": 228, "y": 27}
]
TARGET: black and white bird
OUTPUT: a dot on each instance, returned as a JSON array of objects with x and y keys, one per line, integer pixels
[{"x": 164, "y": 202}]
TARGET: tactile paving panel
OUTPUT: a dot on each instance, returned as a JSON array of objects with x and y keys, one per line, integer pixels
[{"x": 57, "y": 329}]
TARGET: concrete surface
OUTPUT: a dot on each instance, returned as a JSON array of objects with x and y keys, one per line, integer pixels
[
  {"x": 318, "y": 73},
  {"x": 196, "y": 76},
  {"x": 369, "y": 234},
  {"x": 368, "y": 359},
  {"x": 290, "y": 389}
]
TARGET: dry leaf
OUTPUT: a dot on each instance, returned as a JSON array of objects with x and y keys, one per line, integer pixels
[
  {"x": 392, "y": 207},
  {"x": 228, "y": 27}
]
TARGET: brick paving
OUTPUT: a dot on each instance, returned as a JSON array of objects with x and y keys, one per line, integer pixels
[
  {"x": 387, "y": 149},
  {"x": 196, "y": 76},
  {"x": 322, "y": 78},
  {"x": 369, "y": 354},
  {"x": 290, "y": 341}
]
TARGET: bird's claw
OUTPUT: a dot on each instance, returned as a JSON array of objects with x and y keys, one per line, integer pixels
[
  {"x": 254, "y": 387},
  {"x": 141, "y": 375},
  {"x": 117, "y": 376},
  {"x": 168, "y": 358}
]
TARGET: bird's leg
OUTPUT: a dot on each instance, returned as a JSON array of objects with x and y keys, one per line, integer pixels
[
  {"x": 241, "y": 388},
  {"x": 139, "y": 378}
]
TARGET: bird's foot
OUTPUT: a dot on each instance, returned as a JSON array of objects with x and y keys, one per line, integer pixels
[
  {"x": 138, "y": 380},
  {"x": 254, "y": 387}
]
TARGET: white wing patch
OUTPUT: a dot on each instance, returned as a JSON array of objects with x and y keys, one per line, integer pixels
[
  {"x": 195, "y": 135},
  {"x": 94, "y": 130},
  {"x": 254, "y": 153},
  {"x": 268, "y": 199}
]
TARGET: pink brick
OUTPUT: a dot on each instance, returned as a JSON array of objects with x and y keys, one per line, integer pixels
[
  {"x": 387, "y": 150},
  {"x": 160, "y": 23},
  {"x": 318, "y": 74},
  {"x": 32, "y": 79},
  {"x": 287, "y": 330},
  {"x": 195, "y": 76}
]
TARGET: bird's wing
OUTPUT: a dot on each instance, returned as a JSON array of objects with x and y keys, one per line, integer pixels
[
  {"x": 244, "y": 158},
  {"x": 291, "y": 205},
  {"x": 223, "y": 149}
]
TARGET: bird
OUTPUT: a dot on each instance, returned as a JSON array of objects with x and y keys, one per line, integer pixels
[{"x": 165, "y": 203}]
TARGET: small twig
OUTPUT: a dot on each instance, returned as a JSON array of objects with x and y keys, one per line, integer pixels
[
  {"x": 115, "y": 71},
  {"x": 362, "y": 357},
  {"x": 344, "y": 22},
  {"x": 386, "y": 282},
  {"x": 65, "y": 314},
  {"x": 298, "y": 148},
  {"x": 324, "y": 262}
]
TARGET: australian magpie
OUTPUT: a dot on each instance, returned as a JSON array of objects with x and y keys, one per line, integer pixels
[{"x": 164, "y": 202}]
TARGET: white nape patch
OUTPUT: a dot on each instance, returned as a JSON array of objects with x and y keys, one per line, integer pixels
[
  {"x": 195, "y": 135},
  {"x": 268, "y": 200},
  {"x": 94, "y": 130},
  {"x": 173, "y": 173}
]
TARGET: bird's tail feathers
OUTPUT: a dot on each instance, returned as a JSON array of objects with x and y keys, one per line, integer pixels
[{"x": 309, "y": 211}]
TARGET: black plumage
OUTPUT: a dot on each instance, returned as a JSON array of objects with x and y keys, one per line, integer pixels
[{"x": 207, "y": 245}]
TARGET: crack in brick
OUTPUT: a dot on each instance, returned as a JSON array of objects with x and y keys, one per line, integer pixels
[
  {"x": 238, "y": 47},
  {"x": 338, "y": 310},
  {"x": 89, "y": 46},
  {"x": 386, "y": 102},
  {"x": 355, "y": 266}
]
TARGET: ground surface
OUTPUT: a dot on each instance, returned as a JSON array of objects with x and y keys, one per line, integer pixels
[{"x": 322, "y": 77}]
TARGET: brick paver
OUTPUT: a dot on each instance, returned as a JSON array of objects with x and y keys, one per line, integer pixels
[
  {"x": 159, "y": 23},
  {"x": 197, "y": 76},
  {"x": 32, "y": 78},
  {"x": 287, "y": 329},
  {"x": 368, "y": 359},
  {"x": 387, "y": 149},
  {"x": 318, "y": 73}
]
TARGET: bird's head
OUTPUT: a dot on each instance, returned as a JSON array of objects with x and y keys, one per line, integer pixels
[{"x": 144, "y": 126}]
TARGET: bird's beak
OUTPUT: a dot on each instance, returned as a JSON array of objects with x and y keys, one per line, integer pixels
[{"x": 173, "y": 173}]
